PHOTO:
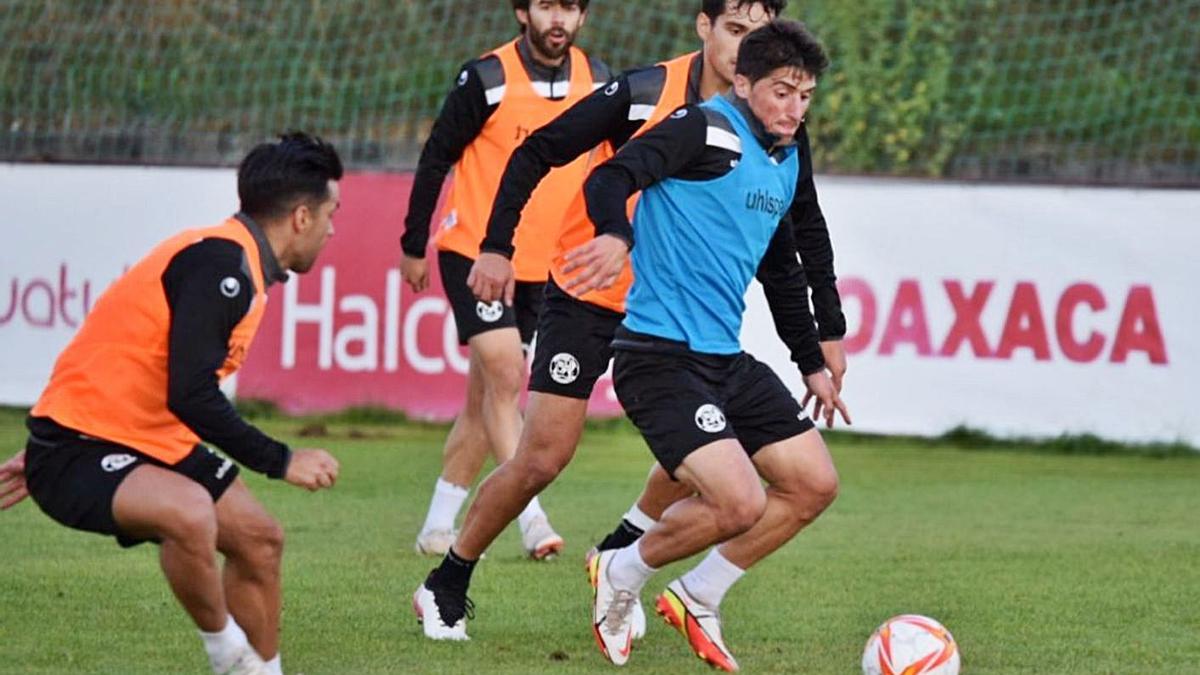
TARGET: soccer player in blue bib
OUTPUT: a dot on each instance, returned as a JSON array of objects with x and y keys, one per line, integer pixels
[{"x": 715, "y": 178}]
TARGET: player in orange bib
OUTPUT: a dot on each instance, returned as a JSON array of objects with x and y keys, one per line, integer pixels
[
  {"x": 115, "y": 438},
  {"x": 576, "y": 327},
  {"x": 497, "y": 101}
]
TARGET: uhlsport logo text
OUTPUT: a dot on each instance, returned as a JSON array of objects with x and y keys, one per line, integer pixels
[{"x": 761, "y": 200}]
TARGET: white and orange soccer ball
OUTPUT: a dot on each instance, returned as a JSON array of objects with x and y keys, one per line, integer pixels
[{"x": 911, "y": 644}]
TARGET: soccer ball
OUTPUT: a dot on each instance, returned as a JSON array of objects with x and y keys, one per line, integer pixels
[{"x": 911, "y": 644}]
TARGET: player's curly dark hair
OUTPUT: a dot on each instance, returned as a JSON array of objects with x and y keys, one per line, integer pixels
[
  {"x": 274, "y": 177},
  {"x": 715, "y": 8},
  {"x": 779, "y": 44}
]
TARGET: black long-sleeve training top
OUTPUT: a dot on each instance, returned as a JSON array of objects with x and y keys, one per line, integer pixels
[{"x": 205, "y": 308}]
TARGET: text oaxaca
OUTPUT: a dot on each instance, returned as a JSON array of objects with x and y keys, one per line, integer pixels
[{"x": 996, "y": 320}]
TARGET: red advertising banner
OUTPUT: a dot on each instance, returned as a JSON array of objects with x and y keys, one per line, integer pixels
[{"x": 351, "y": 333}]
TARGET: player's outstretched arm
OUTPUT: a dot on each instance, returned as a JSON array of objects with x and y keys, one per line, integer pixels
[
  {"x": 12, "y": 481},
  {"x": 662, "y": 152},
  {"x": 600, "y": 117},
  {"x": 312, "y": 469}
]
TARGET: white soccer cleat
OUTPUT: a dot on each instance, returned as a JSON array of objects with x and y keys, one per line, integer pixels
[
  {"x": 612, "y": 612},
  {"x": 430, "y": 617},
  {"x": 540, "y": 540},
  {"x": 639, "y": 614},
  {"x": 435, "y": 542},
  {"x": 247, "y": 662},
  {"x": 698, "y": 623}
]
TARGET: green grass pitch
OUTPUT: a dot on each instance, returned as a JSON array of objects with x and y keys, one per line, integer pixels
[{"x": 1038, "y": 563}]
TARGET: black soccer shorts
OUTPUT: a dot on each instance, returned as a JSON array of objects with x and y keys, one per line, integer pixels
[
  {"x": 574, "y": 345},
  {"x": 473, "y": 316},
  {"x": 74, "y": 477},
  {"x": 682, "y": 401}
]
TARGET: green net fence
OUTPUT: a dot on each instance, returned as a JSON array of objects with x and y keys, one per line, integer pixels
[{"x": 1036, "y": 90}]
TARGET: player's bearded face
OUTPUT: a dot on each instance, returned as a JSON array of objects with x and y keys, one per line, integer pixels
[{"x": 552, "y": 27}]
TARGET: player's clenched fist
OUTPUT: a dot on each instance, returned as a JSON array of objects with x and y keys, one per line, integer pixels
[{"x": 312, "y": 469}]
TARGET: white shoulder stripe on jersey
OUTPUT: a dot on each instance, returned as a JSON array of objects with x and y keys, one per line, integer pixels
[
  {"x": 640, "y": 111},
  {"x": 494, "y": 94},
  {"x": 543, "y": 88},
  {"x": 720, "y": 138}
]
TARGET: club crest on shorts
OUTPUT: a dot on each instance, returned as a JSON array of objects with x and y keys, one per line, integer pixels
[
  {"x": 564, "y": 368},
  {"x": 710, "y": 418},
  {"x": 489, "y": 313},
  {"x": 112, "y": 463},
  {"x": 230, "y": 287}
]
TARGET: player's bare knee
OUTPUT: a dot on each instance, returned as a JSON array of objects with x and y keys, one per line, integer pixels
[
  {"x": 541, "y": 468},
  {"x": 741, "y": 512},
  {"x": 505, "y": 377},
  {"x": 258, "y": 550},
  {"x": 811, "y": 496},
  {"x": 545, "y": 450},
  {"x": 268, "y": 539},
  {"x": 738, "y": 519},
  {"x": 259, "y": 544},
  {"x": 814, "y": 500},
  {"x": 191, "y": 522},
  {"x": 824, "y": 489},
  {"x": 813, "y": 482}
]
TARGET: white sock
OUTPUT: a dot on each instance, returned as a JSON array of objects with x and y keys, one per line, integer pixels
[
  {"x": 638, "y": 519},
  {"x": 447, "y": 500},
  {"x": 275, "y": 666},
  {"x": 628, "y": 571},
  {"x": 224, "y": 646},
  {"x": 532, "y": 510},
  {"x": 711, "y": 579}
]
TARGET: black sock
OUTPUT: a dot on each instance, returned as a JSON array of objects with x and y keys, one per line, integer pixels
[
  {"x": 449, "y": 582},
  {"x": 625, "y": 534},
  {"x": 454, "y": 572}
]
